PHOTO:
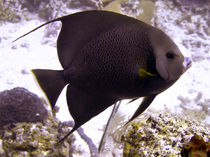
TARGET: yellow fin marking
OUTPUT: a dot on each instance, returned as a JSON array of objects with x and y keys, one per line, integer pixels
[{"x": 143, "y": 73}]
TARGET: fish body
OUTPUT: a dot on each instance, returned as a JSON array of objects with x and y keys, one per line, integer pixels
[
  {"x": 112, "y": 47},
  {"x": 107, "y": 57}
]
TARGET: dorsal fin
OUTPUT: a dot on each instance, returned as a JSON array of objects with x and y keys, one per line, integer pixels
[
  {"x": 80, "y": 29},
  {"x": 58, "y": 19}
]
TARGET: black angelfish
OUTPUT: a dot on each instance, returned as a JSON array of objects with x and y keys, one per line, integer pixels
[{"x": 107, "y": 57}]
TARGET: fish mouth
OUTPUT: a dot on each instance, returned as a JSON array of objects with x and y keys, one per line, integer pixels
[
  {"x": 187, "y": 63},
  {"x": 185, "y": 66}
]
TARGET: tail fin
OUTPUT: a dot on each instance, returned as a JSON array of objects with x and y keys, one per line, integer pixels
[{"x": 51, "y": 82}]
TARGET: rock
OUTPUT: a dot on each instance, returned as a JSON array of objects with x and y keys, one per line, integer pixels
[
  {"x": 20, "y": 105},
  {"x": 162, "y": 134},
  {"x": 27, "y": 128},
  {"x": 36, "y": 139},
  {"x": 82, "y": 4},
  {"x": 197, "y": 147}
]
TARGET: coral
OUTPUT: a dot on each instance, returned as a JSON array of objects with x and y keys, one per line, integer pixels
[
  {"x": 188, "y": 3},
  {"x": 115, "y": 120},
  {"x": 31, "y": 5},
  {"x": 197, "y": 147},
  {"x": 36, "y": 139},
  {"x": 197, "y": 108},
  {"x": 161, "y": 134},
  {"x": 17, "y": 10},
  {"x": 9, "y": 11},
  {"x": 83, "y": 4},
  {"x": 128, "y": 7},
  {"x": 20, "y": 105},
  {"x": 114, "y": 6},
  {"x": 147, "y": 9},
  {"x": 191, "y": 18},
  {"x": 92, "y": 147},
  {"x": 142, "y": 10},
  {"x": 29, "y": 129}
]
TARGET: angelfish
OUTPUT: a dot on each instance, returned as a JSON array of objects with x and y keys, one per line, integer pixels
[{"x": 107, "y": 57}]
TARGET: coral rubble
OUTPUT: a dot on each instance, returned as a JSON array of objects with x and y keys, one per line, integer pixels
[
  {"x": 29, "y": 129},
  {"x": 161, "y": 134}
]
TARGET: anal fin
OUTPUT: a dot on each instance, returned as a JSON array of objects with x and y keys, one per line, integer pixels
[
  {"x": 84, "y": 105},
  {"x": 51, "y": 82}
]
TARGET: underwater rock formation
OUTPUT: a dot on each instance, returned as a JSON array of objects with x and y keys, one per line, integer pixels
[
  {"x": 82, "y": 4},
  {"x": 161, "y": 134},
  {"x": 36, "y": 139},
  {"x": 28, "y": 129},
  {"x": 20, "y": 105},
  {"x": 197, "y": 147}
]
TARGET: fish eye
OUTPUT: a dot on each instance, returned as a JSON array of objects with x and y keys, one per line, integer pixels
[{"x": 170, "y": 55}]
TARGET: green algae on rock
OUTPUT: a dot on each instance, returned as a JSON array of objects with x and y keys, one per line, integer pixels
[{"x": 161, "y": 134}]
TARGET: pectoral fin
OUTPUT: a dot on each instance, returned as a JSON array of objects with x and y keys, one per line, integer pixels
[
  {"x": 132, "y": 100},
  {"x": 143, "y": 106}
]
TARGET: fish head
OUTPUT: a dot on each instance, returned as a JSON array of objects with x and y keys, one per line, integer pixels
[{"x": 170, "y": 62}]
